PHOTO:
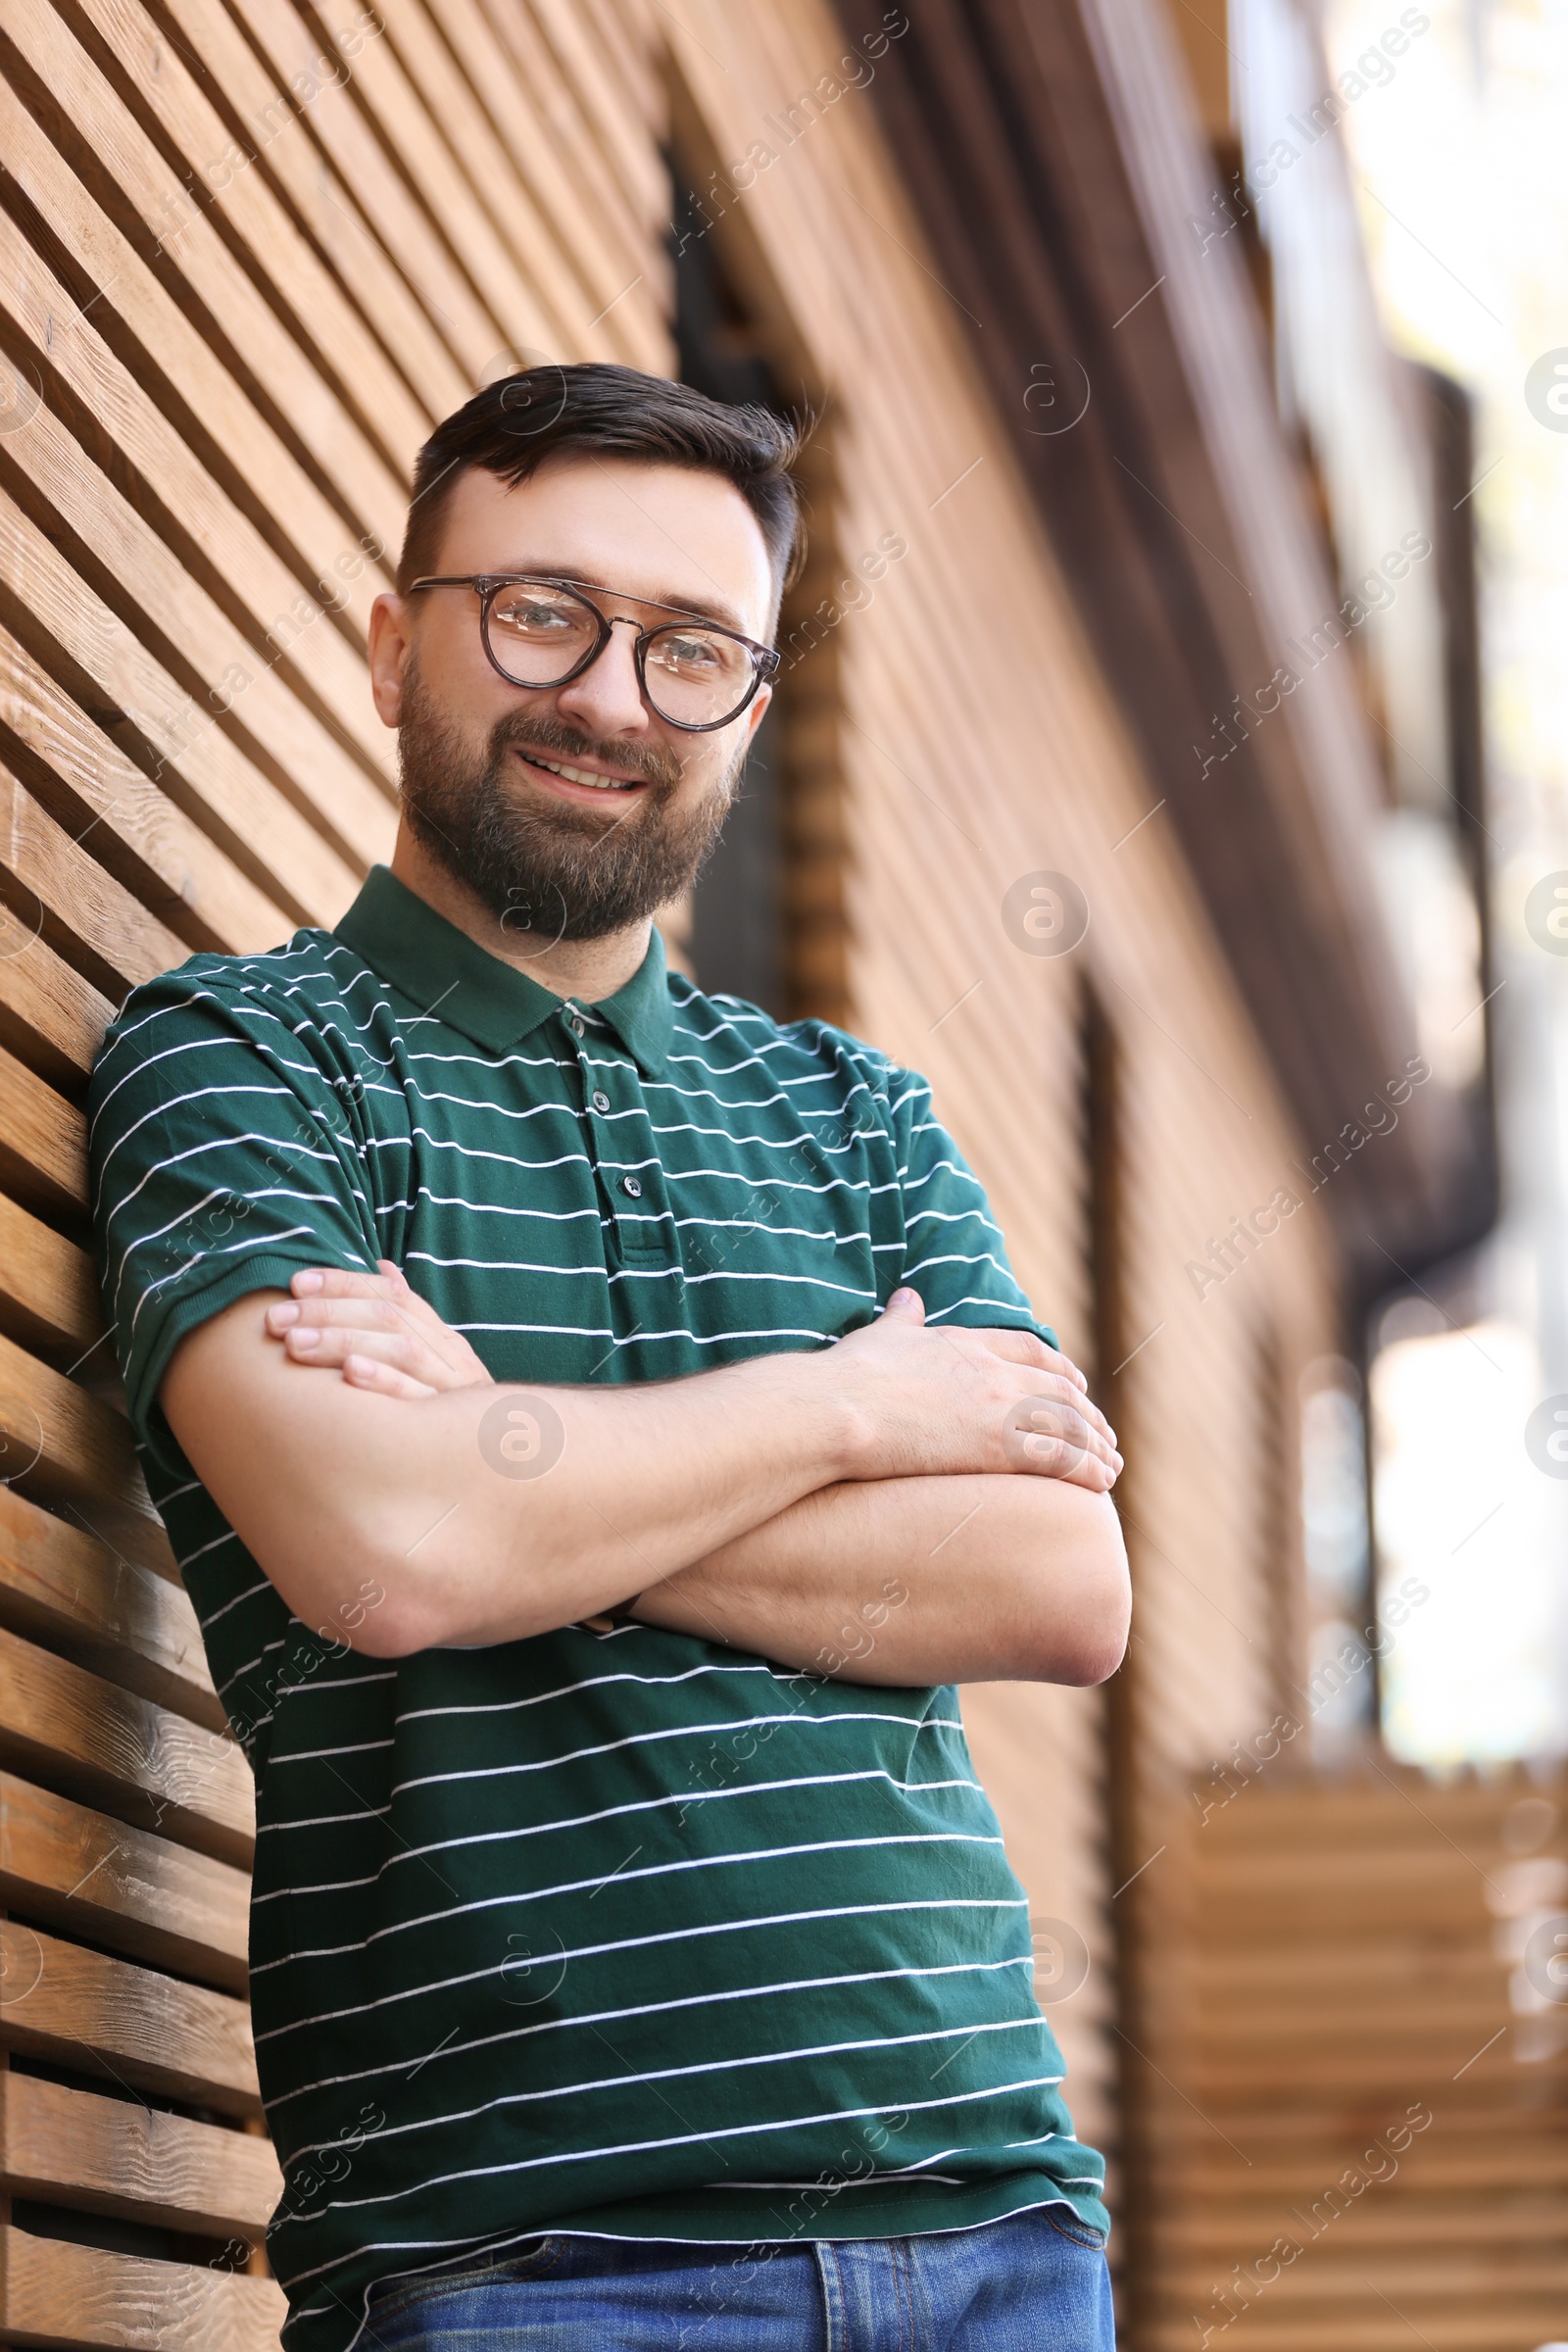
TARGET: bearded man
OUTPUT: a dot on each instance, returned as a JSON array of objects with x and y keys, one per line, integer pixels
[{"x": 598, "y": 1426}]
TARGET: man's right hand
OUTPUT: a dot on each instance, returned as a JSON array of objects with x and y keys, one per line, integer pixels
[{"x": 942, "y": 1400}]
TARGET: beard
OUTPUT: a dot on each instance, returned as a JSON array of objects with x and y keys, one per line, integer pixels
[{"x": 540, "y": 864}]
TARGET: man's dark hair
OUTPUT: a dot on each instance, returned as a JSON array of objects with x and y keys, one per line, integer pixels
[{"x": 516, "y": 425}]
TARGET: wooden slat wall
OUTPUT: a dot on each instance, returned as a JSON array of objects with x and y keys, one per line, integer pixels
[
  {"x": 249, "y": 253},
  {"x": 249, "y": 250},
  {"x": 1361, "y": 2121}
]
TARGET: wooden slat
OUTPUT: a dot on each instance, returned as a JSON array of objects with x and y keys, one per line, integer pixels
[
  {"x": 43, "y": 1144},
  {"x": 69, "y": 1592},
  {"x": 50, "y": 1016},
  {"x": 349, "y": 140},
  {"x": 48, "y": 1287},
  {"x": 360, "y": 421},
  {"x": 269, "y": 121},
  {"x": 537, "y": 113},
  {"x": 116, "y": 2156},
  {"x": 68, "y": 1447},
  {"x": 56, "y": 2293},
  {"x": 1339, "y": 1965},
  {"x": 85, "y": 780},
  {"x": 512, "y": 167},
  {"x": 88, "y": 1875},
  {"x": 61, "y": 1724},
  {"x": 546, "y": 307},
  {"x": 367, "y": 481},
  {"x": 190, "y": 631},
  {"x": 86, "y": 2010},
  {"x": 600, "y": 59},
  {"x": 200, "y": 767},
  {"x": 87, "y": 918},
  {"x": 235, "y": 546}
]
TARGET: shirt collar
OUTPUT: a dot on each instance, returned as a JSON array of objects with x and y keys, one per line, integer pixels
[{"x": 450, "y": 978}]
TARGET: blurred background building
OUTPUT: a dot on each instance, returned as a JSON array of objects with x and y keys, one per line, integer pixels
[{"x": 1134, "y": 770}]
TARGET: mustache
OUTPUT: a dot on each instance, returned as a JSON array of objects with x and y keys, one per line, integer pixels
[{"x": 526, "y": 730}]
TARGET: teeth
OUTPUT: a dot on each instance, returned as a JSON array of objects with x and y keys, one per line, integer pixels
[{"x": 577, "y": 775}]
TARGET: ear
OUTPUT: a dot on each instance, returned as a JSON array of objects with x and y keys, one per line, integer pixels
[{"x": 390, "y": 638}]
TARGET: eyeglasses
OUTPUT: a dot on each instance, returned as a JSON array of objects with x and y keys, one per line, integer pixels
[{"x": 539, "y": 631}]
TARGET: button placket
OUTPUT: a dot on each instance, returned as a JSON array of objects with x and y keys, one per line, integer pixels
[{"x": 639, "y": 1236}]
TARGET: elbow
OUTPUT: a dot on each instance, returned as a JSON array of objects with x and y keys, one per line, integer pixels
[
  {"x": 1089, "y": 1644},
  {"x": 374, "y": 1602},
  {"x": 1096, "y": 1655},
  {"x": 388, "y": 1628},
  {"x": 1107, "y": 1618}
]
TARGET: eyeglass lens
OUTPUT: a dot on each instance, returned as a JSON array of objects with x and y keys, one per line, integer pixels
[{"x": 693, "y": 676}]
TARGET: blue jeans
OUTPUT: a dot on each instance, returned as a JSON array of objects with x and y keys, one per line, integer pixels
[{"x": 1036, "y": 2282}]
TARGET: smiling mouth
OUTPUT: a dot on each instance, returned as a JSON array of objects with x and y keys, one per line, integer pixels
[{"x": 584, "y": 776}]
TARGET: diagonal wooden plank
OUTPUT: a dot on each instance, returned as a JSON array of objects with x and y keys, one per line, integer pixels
[
  {"x": 71, "y": 1591},
  {"x": 56, "y": 2293},
  {"x": 91, "y": 111},
  {"x": 59, "y": 891},
  {"x": 69, "y": 1448},
  {"x": 43, "y": 1144},
  {"x": 188, "y": 627},
  {"x": 88, "y": 1875},
  {"x": 272, "y": 116},
  {"x": 88, "y": 783},
  {"x": 242, "y": 551},
  {"x": 116, "y": 2156},
  {"x": 199, "y": 766},
  {"x": 86, "y": 2010},
  {"x": 48, "y": 1288},
  {"x": 61, "y": 1724}
]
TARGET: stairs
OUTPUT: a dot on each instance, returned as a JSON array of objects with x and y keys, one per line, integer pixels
[{"x": 1355, "y": 2138}]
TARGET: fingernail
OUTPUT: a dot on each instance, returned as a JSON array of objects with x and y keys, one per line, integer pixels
[
  {"x": 307, "y": 1280},
  {"x": 305, "y": 1338},
  {"x": 283, "y": 1314}
]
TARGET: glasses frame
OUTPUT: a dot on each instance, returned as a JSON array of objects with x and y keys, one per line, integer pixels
[{"x": 487, "y": 585}]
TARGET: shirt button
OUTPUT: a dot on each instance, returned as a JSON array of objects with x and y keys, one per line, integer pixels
[
  {"x": 572, "y": 1019},
  {"x": 600, "y": 1100},
  {"x": 633, "y": 1186}
]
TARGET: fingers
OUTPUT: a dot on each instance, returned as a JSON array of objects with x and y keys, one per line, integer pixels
[
  {"x": 384, "y": 1379},
  {"x": 344, "y": 1301},
  {"x": 334, "y": 1347},
  {"x": 361, "y": 1311},
  {"x": 905, "y": 1306},
  {"x": 1052, "y": 1436},
  {"x": 349, "y": 1282},
  {"x": 1064, "y": 1386}
]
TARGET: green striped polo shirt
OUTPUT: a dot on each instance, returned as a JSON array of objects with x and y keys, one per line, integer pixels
[{"x": 617, "y": 1932}]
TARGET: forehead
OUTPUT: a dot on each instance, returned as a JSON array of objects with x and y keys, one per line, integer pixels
[{"x": 666, "y": 532}]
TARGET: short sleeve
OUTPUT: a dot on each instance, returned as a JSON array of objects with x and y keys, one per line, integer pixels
[
  {"x": 955, "y": 1255},
  {"x": 224, "y": 1155}
]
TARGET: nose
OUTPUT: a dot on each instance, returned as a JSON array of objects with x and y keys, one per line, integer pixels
[{"x": 606, "y": 700}]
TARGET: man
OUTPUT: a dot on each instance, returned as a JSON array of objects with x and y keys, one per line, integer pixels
[{"x": 633, "y": 1956}]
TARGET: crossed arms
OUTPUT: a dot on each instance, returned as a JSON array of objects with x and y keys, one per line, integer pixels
[{"x": 909, "y": 1506}]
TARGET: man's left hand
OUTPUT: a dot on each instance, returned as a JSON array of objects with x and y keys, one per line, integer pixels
[{"x": 373, "y": 1329}]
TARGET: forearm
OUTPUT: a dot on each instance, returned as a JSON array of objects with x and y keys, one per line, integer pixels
[
  {"x": 477, "y": 1532},
  {"x": 913, "y": 1581},
  {"x": 490, "y": 1512}
]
